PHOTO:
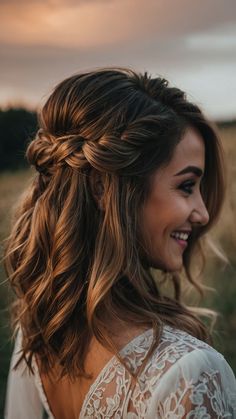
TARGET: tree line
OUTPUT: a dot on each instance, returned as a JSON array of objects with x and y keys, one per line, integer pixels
[{"x": 17, "y": 128}]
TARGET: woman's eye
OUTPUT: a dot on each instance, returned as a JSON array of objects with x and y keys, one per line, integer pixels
[{"x": 187, "y": 187}]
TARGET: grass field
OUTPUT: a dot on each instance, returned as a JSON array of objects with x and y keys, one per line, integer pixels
[
  {"x": 11, "y": 185},
  {"x": 223, "y": 279}
]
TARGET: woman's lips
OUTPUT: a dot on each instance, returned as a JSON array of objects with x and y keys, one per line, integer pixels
[
  {"x": 181, "y": 237},
  {"x": 182, "y": 243}
]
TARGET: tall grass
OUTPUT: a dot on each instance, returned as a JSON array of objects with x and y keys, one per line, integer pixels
[{"x": 11, "y": 186}]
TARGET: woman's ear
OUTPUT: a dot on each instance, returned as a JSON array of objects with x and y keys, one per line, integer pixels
[{"x": 97, "y": 187}]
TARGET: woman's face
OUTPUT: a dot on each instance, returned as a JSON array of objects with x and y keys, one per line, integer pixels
[{"x": 175, "y": 204}]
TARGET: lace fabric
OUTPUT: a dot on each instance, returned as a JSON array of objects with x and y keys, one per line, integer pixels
[{"x": 184, "y": 378}]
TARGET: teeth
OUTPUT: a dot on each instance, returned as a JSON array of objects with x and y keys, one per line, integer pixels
[{"x": 181, "y": 236}]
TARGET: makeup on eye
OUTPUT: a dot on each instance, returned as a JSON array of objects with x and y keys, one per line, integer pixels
[{"x": 187, "y": 186}]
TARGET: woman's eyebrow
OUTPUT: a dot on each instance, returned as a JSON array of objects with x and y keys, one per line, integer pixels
[{"x": 191, "y": 169}]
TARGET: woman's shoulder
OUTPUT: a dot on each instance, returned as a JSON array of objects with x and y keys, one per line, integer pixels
[
  {"x": 178, "y": 354},
  {"x": 188, "y": 374},
  {"x": 181, "y": 350},
  {"x": 174, "y": 344},
  {"x": 184, "y": 374},
  {"x": 178, "y": 341}
]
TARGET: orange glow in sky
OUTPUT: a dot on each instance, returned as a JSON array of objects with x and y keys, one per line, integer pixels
[{"x": 190, "y": 43}]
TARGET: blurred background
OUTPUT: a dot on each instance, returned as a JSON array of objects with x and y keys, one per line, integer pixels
[{"x": 192, "y": 44}]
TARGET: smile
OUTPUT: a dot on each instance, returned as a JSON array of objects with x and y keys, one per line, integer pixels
[
  {"x": 181, "y": 238},
  {"x": 180, "y": 235}
]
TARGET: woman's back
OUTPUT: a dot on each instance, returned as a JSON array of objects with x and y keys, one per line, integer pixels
[
  {"x": 183, "y": 376},
  {"x": 66, "y": 397}
]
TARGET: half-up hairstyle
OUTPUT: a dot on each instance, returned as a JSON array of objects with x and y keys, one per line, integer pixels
[{"x": 71, "y": 261}]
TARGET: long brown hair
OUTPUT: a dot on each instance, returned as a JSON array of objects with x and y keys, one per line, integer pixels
[{"x": 73, "y": 263}]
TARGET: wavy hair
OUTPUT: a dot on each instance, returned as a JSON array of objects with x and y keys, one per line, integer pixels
[{"x": 73, "y": 263}]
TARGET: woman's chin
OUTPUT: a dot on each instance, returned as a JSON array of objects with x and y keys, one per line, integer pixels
[{"x": 169, "y": 266}]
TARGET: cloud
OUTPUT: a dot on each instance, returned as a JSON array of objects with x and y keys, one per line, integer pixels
[
  {"x": 207, "y": 74},
  {"x": 191, "y": 44},
  {"x": 95, "y": 23}
]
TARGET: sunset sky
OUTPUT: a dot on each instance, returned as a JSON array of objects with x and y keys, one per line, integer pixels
[{"x": 191, "y": 43}]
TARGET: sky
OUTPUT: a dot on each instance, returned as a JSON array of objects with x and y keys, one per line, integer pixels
[{"x": 191, "y": 43}]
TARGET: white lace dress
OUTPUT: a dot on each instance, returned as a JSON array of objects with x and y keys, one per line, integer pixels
[{"x": 184, "y": 378}]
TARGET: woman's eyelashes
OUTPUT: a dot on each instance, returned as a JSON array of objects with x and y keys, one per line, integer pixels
[{"x": 187, "y": 186}]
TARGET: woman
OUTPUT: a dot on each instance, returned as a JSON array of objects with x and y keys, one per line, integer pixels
[{"x": 130, "y": 177}]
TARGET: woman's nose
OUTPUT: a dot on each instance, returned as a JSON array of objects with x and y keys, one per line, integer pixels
[{"x": 200, "y": 214}]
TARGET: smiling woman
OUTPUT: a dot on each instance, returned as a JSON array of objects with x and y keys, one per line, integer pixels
[
  {"x": 175, "y": 205},
  {"x": 129, "y": 178}
]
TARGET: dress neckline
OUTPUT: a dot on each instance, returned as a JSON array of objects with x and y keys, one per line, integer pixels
[{"x": 91, "y": 389}]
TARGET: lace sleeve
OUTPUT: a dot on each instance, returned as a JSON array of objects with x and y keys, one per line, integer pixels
[
  {"x": 201, "y": 385},
  {"x": 22, "y": 400}
]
